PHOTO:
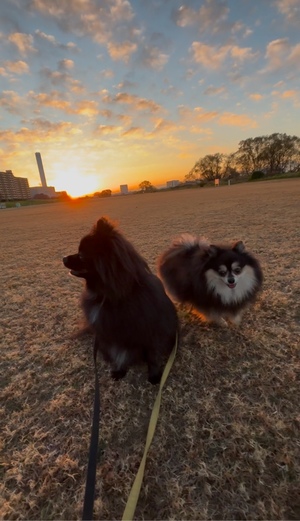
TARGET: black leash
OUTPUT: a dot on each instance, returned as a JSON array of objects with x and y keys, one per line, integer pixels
[{"x": 88, "y": 504}]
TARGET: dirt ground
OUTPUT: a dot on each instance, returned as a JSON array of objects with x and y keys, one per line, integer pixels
[{"x": 227, "y": 440}]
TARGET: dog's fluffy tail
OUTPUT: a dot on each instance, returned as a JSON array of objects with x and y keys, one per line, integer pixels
[
  {"x": 188, "y": 241},
  {"x": 184, "y": 244}
]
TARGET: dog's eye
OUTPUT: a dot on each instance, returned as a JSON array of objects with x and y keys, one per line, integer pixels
[
  {"x": 237, "y": 270},
  {"x": 222, "y": 273}
]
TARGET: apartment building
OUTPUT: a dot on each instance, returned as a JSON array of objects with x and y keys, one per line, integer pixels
[{"x": 13, "y": 188}]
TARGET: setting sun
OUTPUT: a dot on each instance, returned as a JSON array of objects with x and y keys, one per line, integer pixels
[{"x": 75, "y": 183}]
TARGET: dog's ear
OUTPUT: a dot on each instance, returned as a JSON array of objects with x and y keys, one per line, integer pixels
[
  {"x": 239, "y": 247},
  {"x": 104, "y": 227}
]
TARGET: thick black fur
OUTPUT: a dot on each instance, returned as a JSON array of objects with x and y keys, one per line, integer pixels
[
  {"x": 183, "y": 268},
  {"x": 124, "y": 303}
]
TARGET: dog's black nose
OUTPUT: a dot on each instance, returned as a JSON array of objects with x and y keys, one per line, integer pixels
[
  {"x": 231, "y": 280},
  {"x": 65, "y": 260}
]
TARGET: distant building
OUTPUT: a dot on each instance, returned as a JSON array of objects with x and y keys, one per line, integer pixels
[
  {"x": 13, "y": 188},
  {"x": 124, "y": 189},
  {"x": 172, "y": 184},
  {"x": 45, "y": 190}
]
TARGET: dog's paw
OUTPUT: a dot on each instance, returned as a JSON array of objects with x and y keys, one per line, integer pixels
[
  {"x": 118, "y": 375},
  {"x": 154, "y": 379}
]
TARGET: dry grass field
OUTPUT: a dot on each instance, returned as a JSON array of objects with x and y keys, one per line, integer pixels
[{"x": 227, "y": 440}]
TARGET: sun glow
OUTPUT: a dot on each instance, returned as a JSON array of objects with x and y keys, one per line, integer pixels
[{"x": 75, "y": 183}]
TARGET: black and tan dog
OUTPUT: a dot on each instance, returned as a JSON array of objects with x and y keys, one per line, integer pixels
[{"x": 219, "y": 281}]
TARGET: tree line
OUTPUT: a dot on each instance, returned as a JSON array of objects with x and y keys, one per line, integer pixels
[{"x": 273, "y": 154}]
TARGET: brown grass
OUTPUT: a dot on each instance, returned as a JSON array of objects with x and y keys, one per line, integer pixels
[{"x": 227, "y": 441}]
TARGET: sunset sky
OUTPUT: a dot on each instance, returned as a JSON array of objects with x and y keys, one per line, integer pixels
[{"x": 117, "y": 92}]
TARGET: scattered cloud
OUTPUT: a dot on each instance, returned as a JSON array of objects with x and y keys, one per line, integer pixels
[
  {"x": 16, "y": 67},
  {"x": 87, "y": 18},
  {"x": 65, "y": 65},
  {"x": 210, "y": 17},
  {"x": 213, "y": 57},
  {"x": 121, "y": 51},
  {"x": 134, "y": 101},
  {"x": 281, "y": 54},
  {"x": 107, "y": 73},
  {"x": 126, "y": 84},
  {"x": 240, "y": 27},
  {"x": 11, "y": 101},
  {"x": 196, "y": 115},
  {"x": 290, "y": 94},
  {"x": 87, "y": 108},
  {"x": 163, "y": 125},
  {"x": 153, "y": 58},
  {"x": 173, "y": 91},
  {"x": 62, "y": 77},
  {"x": 23, "y": 42},
  {"x": 213, "y": 91},
  {"x": 290, "y": 9},
  {"x": 104, "y": 130},
  {"x": 40, "y": 131},
  {"x": 55, "y": 101},
  {"x": 50, "y": 39},
  {"x": 237, "y": 120},
  {"x": 255, "y": 96},
  {"x": 135, "y": 132}
]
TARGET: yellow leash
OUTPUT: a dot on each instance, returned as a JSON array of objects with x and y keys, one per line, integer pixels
[{"x": 136, "y": 487}]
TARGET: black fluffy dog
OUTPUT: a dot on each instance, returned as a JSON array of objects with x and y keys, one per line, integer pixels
[
  {"x": 124, "y": 302},
  {"x": 220, "y": 281}
]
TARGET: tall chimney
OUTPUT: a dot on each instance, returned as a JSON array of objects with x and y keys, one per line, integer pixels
[{"x": 41, "y": 169}]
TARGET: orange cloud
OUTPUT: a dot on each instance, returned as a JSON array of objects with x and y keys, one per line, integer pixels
[
  {"x": 237, "y": 120},
  {"x": 213, "y": 57},
  {"x": 153, "y": 58},
  {"x": 211, "y": 15},
  {"x": 134, "y": 132},
  {"x": 122, "y": 51},
  {"x": 291, "y": 94},
  {"x": 43, "y": 131},
  {"x": 51, "y": 100},
  {"x": 255, "y": 96},
  {"x": 196, "y": 115},
  {"x": 290, "y": 10},
  {"x": 16, "y": 67},
  {"x": 133, "y": 100},
  {"x": 54, "y": 100},
  {"x": 86, "y": 108},
  {"x": 49, "y": 38},
  {"x": 102, "y": 130},
  {"x": 84, "y": 17},
  {"x": 11, "y": 101},
  {"x": 280, "y": 54},
  {"x": 163, "y": 125},
  {"x": 65, "y": 64},
  {"x": 23, "y": 42}
]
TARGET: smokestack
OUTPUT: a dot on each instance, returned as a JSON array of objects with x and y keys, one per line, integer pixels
[{"x": 41, "y": 169}]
